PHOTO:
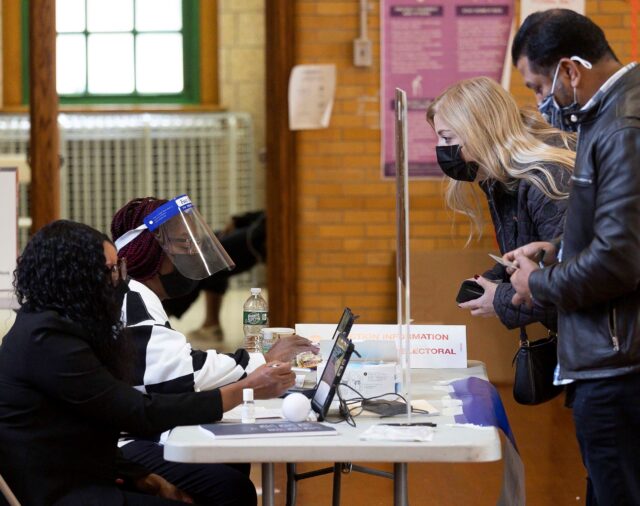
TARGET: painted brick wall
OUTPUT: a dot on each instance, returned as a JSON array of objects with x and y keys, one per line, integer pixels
[
  {"x": 346, "y": 211},
  {"x": 241, "y": 48}
]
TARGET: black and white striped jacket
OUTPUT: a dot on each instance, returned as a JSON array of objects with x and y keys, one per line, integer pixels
[{"x": 165, "y": 361}]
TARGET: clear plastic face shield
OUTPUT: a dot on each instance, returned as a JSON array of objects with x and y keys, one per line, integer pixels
[{"x": 185, "y": 237}]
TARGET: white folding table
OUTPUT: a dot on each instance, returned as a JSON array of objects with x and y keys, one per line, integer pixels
[{"x": 451, "y": 442}]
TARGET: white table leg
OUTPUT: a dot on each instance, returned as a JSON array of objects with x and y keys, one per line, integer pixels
[
  {"x": 268, "y": 486},
  {"x": 400, "y": 484}
]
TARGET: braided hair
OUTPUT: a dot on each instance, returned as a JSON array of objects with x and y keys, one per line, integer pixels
[{"x": 144, "y": 254}]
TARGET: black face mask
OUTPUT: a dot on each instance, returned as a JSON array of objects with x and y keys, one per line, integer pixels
[
  {"x": 121, "y": 290},
  {"x": 177, "y": 285},
  {"x": 452, "y": 164}
]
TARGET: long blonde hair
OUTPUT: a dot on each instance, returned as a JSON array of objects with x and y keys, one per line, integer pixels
[
  {"x": 492, "y": 132},
  {"x": 540, "y": 129}
]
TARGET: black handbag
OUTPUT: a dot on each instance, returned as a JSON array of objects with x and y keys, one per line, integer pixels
[{"x": 535, "y": 363}]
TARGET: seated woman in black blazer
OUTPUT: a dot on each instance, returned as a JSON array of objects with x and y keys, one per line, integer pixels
[{"x": 63, "y": 368}]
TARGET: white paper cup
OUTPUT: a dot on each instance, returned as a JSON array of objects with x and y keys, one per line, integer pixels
[
  {"x": 278, "y": 332},
  {"x": 269, "y": 335}
]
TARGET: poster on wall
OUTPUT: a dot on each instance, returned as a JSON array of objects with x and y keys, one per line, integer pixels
[
  {"x": 530, "y": 6},
  {"x": 427, "y": 46}
]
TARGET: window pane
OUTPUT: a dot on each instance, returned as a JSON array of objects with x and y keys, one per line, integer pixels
[
  {"x": 155, "y": 15},
  {"x": 70, "y": 15},
  {"x": 109, "y": 15},
  {"x": 70, "y": 63},
  {"x": 159, "y": 63},
  {"x": 111, "y": 64}
]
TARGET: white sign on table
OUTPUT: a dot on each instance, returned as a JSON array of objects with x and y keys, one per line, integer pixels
[{"x": 432, "y": 346}]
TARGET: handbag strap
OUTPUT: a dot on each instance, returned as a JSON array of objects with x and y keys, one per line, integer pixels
[{"x": 524, "y": 339}]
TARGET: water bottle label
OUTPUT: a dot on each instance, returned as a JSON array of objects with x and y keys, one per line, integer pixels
[{"x": 254, "y": 318}]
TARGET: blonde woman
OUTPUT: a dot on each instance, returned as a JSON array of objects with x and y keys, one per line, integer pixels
[{"x": 523, "y": 168}]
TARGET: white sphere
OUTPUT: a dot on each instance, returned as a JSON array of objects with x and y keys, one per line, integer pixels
[{"x": 296, "y": 407}]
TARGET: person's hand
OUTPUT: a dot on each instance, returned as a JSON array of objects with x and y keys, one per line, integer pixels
[
  {"x": 270, "y": 380},
  {"x": 483, "y": 305},
  {"x": 286, "y": 348},
  {"x": 533, "y": 251},
  {"x": 520, "y": 280},
  {"x": 154, "y": 484}
]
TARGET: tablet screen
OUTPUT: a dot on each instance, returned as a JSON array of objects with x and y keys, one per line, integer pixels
[
  {"x": 345, "y": 323},
  {"x": 335, "y": 364},
  {"x": 328, "y": 378}
]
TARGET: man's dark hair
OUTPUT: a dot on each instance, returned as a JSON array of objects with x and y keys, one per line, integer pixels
[{"x": 547, "y": 36}]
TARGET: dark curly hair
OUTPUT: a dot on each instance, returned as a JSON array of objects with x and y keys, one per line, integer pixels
[{"x": 62, "y": 269}]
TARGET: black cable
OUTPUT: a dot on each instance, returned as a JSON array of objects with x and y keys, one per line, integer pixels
[{"x": 347, "y": 414}]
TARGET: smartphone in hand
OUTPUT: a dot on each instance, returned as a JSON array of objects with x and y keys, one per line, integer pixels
[
  {"x": 469, "y": 290},
  {"x": 502, "y": 261}
]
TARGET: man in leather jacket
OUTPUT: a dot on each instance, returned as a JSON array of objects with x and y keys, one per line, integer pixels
[{"x": 566, "y": 60}]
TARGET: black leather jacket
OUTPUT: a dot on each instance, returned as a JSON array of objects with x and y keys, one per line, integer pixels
[{"x": 596, "y": 288}]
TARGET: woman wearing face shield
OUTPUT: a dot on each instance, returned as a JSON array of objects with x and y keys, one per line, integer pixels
[
  {"x": 520, "y": 165},
  {"x": 168, "y": 247}
]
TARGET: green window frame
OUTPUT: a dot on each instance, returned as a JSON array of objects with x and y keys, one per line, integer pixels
[{"x": 191, "y": 66}]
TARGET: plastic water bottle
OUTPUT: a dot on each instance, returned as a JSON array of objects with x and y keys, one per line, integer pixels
[{"x": 255, "y": 316}]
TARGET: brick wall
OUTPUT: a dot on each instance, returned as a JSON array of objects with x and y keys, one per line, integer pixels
[
  {"x": 241, "y": 50},
  {"x": 346, "y": 211}
]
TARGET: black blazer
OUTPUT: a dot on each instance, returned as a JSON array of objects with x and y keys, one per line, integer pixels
[{"x": 61, "y": 411}]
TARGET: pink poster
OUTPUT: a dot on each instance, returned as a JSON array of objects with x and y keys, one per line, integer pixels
[{"x": 427, "y": 47}]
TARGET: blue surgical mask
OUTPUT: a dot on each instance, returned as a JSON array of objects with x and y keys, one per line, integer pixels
[{"x": 557, "y": 116}]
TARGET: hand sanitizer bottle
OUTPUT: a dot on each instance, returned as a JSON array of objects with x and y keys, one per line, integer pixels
[{"x": 248, "y": 406}]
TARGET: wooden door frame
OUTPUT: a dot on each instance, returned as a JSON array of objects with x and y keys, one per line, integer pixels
[
  {"x": 281, "y": 177},
  {"x": 44, "y": 141}
]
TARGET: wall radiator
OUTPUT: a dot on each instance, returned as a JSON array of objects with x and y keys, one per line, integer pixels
[{"x": 108, "y": 159}]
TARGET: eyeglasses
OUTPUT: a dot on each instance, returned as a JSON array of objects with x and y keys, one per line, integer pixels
[
  {"x": 117, "y": 271},
  {"x": 186, "y": 245}
]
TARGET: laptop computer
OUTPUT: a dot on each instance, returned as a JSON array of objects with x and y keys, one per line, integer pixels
[{"x": 336, "y": 362}]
